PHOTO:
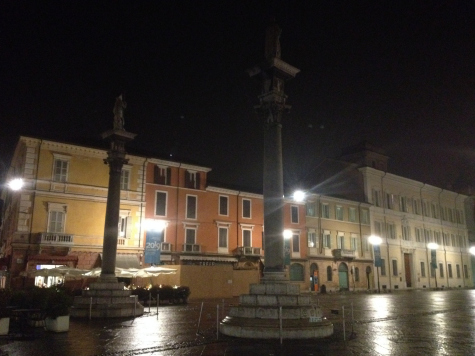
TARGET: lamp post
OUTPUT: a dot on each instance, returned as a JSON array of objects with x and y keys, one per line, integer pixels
[
  {"x": 432, "y": 246},
  {"x": 376, "y": 241}
]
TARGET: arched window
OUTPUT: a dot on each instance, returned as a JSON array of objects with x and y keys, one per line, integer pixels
[
  {"x": 329, "y": 273},
  {"x": 357, "y": 274},
  {"x": 296, "y": 272}
]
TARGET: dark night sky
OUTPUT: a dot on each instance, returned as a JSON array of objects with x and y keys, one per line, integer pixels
[{"x": 399, "y": 74}]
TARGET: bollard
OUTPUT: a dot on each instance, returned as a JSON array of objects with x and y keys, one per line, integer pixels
[
  {"x": 217, "y": 321},
  {"x": 199, "y": 320},
  {"x": 343, "y": 312},
  {"x": 280, "y": 324}
]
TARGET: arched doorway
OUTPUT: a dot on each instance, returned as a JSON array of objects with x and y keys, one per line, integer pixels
[
  {"x": 314, "y": 278},
  {"x": 343, "y": 276},
  {"x": 368, "y": 272}
]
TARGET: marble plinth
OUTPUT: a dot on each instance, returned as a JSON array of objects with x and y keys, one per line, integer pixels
[
  {"x": 258, "y": 314},
  {"x": 106, "y": 299}
]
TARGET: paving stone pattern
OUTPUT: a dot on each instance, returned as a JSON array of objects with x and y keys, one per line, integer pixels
[{"x": 399, "y": 323}]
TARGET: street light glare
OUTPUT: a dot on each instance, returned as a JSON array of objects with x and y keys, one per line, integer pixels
[
  {"x": 432, "y": 246},
  {"x": 16, "y": 184},
  {"x": 375, "y": 240},
  {"x": 299, "y": 195},
  {"x": 472, "y": 250},
  {"x": 287, "y": 234}
]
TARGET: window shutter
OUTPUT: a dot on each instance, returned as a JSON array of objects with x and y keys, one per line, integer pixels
[
  {"x": 169, "y": 174},
  {"x": 128, "y": 227},
  {"x": 198, "y": 176},
  {"x": 156, "y": 175}
]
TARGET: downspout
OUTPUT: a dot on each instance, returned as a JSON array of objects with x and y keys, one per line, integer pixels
[
  {"x": 385, "y": 229},
  {"x": 177, "y": 201},
  {"x": 319, "y": 225},
  {"x": 443, "y": 239},
  {"x": 424, "y": 237},
  {"x": 462, "y": 237},
  {"x": 144, "y": 174}
]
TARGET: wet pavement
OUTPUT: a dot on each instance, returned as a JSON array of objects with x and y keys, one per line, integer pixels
[{"x": 399, "y": 323}]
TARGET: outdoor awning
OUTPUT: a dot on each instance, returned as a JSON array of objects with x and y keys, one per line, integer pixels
[
  {"x": 52, "y": 259},
  {"x": 208, "y": 258},
  {"x": 127, "y": 261}
]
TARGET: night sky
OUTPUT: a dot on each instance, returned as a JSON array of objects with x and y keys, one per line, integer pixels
[{"x": 397, "y": 74}]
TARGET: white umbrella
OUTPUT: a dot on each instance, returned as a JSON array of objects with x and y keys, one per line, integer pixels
[
  {"x": 154, "y": 271},
  {"x": 119, "y": 272}
]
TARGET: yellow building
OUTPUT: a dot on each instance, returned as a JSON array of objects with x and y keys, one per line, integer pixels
[{"x": 57, "y": 218}]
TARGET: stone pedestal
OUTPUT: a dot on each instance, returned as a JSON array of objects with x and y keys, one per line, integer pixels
[
  {"x": 106, "y": 299},
  {"x": 258, "y": 314}
]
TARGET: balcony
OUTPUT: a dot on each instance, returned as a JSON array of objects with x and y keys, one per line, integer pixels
[
  {"x": 248, "y": 251},
  {"x": 342, "y": 253},
  {"x": 56, "y": 238},
  {"x": 191, "y": 248},
  {"x": 167, "y": 247}
]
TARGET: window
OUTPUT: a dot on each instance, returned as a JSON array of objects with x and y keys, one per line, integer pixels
[
  {"x": 161, "y": 204},
  {"x": 354, "y": 242},
  {"x": 434, "y": 210},
  {"x": 325, "y": 211},
  {"x": 376, "y": 198},
  {"x": 161, "y": 175},
  {"x": 383, "y": 267},
  {"x": 296, "y": 243},
  {"x": 60, "y": 168},
  {"x": 395, "y": 271},
  {"x": 406, "y": 235},
  {"x": 454, "y": 242},
  {"x": 391, "y": 231},
  {"x": 441, "y": 270},
  {"x": 432, "y": 270},
  {"x": 403, "y": 204},
  {"x": 246, "y": 208},
  {"x": 125, "y": 179},
  {"x": 223, "y": 205},
  {"x": 457, "y": 270},
  {"x": 460, "y": 216},
  {"x": 425, "y": 208},
  {"x": 125, "y": 224},
  {"x": 462, "y": 240},
  {"x": 446, "y": 239},
  {"x": 389, "y": 201},
  {"x": 357, "y": 274},
  {"x": 465, "y": 271},
  {"x": 423, "y": 269},
  {"x": 415, "y": 207},
  {"x": 312, "y": 238},
  {"x": 296, "y": 272},
  {"x": 364, "y": 216},
  {"x": 56, "y": 221},
  {"x": 310, "y": 209},
  {"x": 192, "y": 179},
  {"x": 449, "y": 270},
  {"x": 365, "y": 243},
  {"x": 223, "y": 239},
  {"x": 377, "y": 228},
  {"x": 437, "y": 237},
  {"x": 191, "y": 206},
  {"x": 294, "y": 214},
  {"x": 190, "y": 236},
  {"x": 339, "y": 212},
  {"x": 246, "y": 238},
  {"x": 418, "y": 234},
  {"x": 327, "y": 239},
  {"x": 340, "y": 240},
  {"x": 427, "y": 234},
  {"x": 442, "y": 213},
  {"x": 352, "y": 214},
  {"x": 329, "y": 274}
]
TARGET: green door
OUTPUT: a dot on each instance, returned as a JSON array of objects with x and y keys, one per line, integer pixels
[{"x": 343, "y": 276}]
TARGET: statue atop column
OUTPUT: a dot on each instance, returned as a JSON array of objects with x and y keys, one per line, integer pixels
[
  {"x": 118, "y": 111},
  {"x": 272, "y": 46}
]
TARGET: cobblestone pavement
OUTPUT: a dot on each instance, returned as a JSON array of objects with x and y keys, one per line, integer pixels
[{"x": 399, "y": 323}]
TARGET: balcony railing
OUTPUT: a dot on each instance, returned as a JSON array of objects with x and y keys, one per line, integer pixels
[
  {"x": 166, "y": 247},
  {"x": 56, "y": 238},
  {"x": 191, "y": 248},
  {"x": 249, "y": 251},
  {"x": 343, "y": 253}
]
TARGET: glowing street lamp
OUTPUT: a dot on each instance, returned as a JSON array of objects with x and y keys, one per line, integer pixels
[
  {"x": 299, "y": 195},
  {"x": 432, "y": 246},
  {"x": 376, "y": 241},
  {"x": 15, "y": 184}
]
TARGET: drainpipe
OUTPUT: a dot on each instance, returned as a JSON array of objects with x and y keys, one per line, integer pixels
[
  {"x": 144, "y": 174},
  {"x": 385, "y": 229},
  {"x": 176, "y": 215},
  {"x": 443, "y": 239}
]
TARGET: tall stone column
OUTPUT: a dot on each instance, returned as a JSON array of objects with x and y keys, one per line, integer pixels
[
  {"x": 115, "y": 159},
  {"x": 272, "y": 75},
  {"x": 274, "y": 308},
  {"x": 107, "y": 298}
]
